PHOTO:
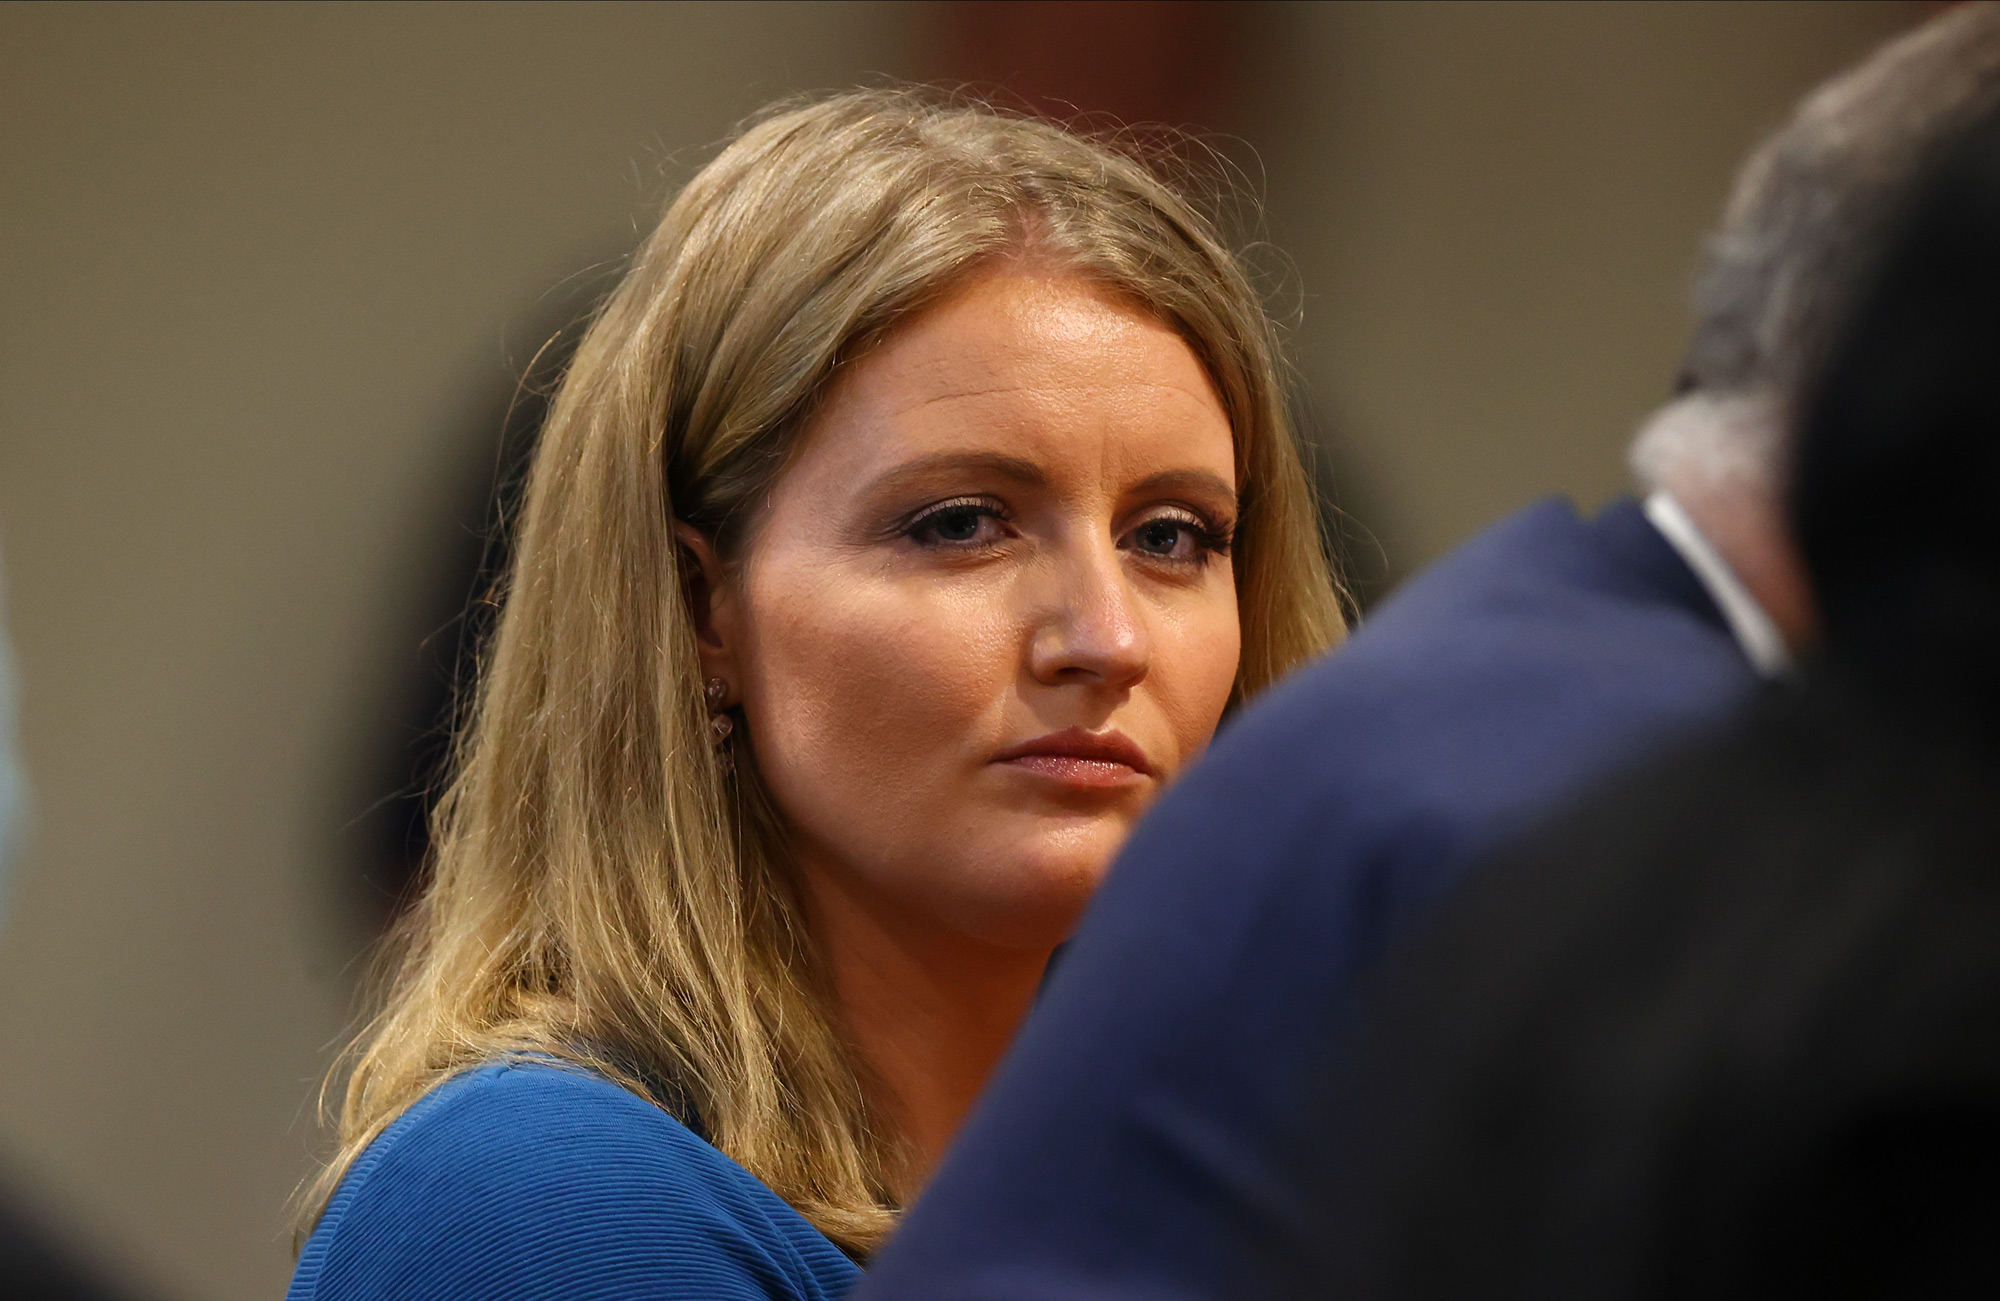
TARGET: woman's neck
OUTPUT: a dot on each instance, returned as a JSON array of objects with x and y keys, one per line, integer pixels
[{"x": 931, "y": 1013}]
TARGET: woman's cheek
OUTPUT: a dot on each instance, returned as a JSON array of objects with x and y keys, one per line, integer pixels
[
  {"x": 865, "y": 684},
  {"x": 1199, "y": 649}
]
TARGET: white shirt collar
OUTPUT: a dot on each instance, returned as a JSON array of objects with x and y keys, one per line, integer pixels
[{"x": 1760, "y": 639}]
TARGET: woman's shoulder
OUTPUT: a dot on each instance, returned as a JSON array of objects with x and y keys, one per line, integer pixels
[{"x": 533, "y": 1179}]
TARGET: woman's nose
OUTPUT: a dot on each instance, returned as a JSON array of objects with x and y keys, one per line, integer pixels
[{"x": 1094, "y": 631}]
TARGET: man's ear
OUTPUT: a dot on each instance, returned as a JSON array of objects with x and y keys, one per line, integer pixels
[{"x": 711, "y": 606}]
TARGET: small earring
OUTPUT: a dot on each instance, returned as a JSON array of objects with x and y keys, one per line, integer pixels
[{"x": 720, "y": 724}]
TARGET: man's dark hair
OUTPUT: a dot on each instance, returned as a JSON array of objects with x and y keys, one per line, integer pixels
[
  {"x": 1810, "y": 203},
  {"x": 1896, "y": 495}
]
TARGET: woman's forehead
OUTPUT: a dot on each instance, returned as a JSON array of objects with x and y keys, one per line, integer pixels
[{"x": 1045, "y": 369}]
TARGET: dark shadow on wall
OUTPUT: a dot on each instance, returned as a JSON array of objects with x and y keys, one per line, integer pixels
[
  {"x": 1355, "y": 525},
  {"x": 437, "y": 656},
  {"x": 41, "y": 1262}
]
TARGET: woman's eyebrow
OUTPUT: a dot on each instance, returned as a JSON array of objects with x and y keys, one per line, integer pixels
[
  {"x": 999, "y": 464},
  {"x": 924, "y": 469},
  {"x": 1194, "y": 482}
]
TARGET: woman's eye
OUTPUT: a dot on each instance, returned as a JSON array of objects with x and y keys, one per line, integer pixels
[
  {"x": 966, "y": 523},
  {"x": 1160, "y": 537},
  {"x": 1168, "y": 537},
  {"x": 960, "y": 524}
]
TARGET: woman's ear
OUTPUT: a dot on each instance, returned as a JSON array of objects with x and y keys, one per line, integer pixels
[{"x": 711, "y": 606}]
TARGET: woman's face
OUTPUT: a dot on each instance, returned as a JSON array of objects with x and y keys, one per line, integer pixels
[{"x": 989, "y": 611}]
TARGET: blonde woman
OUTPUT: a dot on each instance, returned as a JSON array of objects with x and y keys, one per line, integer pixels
[{"x": 908, "y": 519}]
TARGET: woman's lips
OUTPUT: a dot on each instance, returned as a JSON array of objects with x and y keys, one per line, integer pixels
[{"x": 1076, "y": 757}]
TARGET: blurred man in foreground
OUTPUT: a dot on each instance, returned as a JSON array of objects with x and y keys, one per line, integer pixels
[
  {"x": 1732, "y": 1027},
  {"x": 1147, "y": 1138}
]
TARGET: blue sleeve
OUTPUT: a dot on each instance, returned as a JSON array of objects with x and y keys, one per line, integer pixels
[{"x": 534, "y": 1182}]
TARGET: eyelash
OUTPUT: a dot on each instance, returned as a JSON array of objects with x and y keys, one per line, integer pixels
[
  {"x": 926, "y": 520},
  {"x": 1209, "y": 542}
]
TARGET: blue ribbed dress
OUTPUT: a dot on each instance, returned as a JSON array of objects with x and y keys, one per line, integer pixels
[{"x": 538, "y": 1182}]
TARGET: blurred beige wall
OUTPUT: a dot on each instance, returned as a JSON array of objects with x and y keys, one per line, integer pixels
[
  {"x": 1495, "y": 210},
  {"x": 259, "y": 265}
]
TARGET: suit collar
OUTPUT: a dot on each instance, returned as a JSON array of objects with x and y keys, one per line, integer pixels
[{"x": 1640, "y": 555}]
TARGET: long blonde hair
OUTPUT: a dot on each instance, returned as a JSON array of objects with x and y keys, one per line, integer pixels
[{"x": 604, "y": 891}]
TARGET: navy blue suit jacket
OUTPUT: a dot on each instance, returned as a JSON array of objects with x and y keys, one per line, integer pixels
[{"x": 1142, "y": 1138}]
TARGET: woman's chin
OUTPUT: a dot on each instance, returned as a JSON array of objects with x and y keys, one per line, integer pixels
[{"x": 1042, "y": 895}]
